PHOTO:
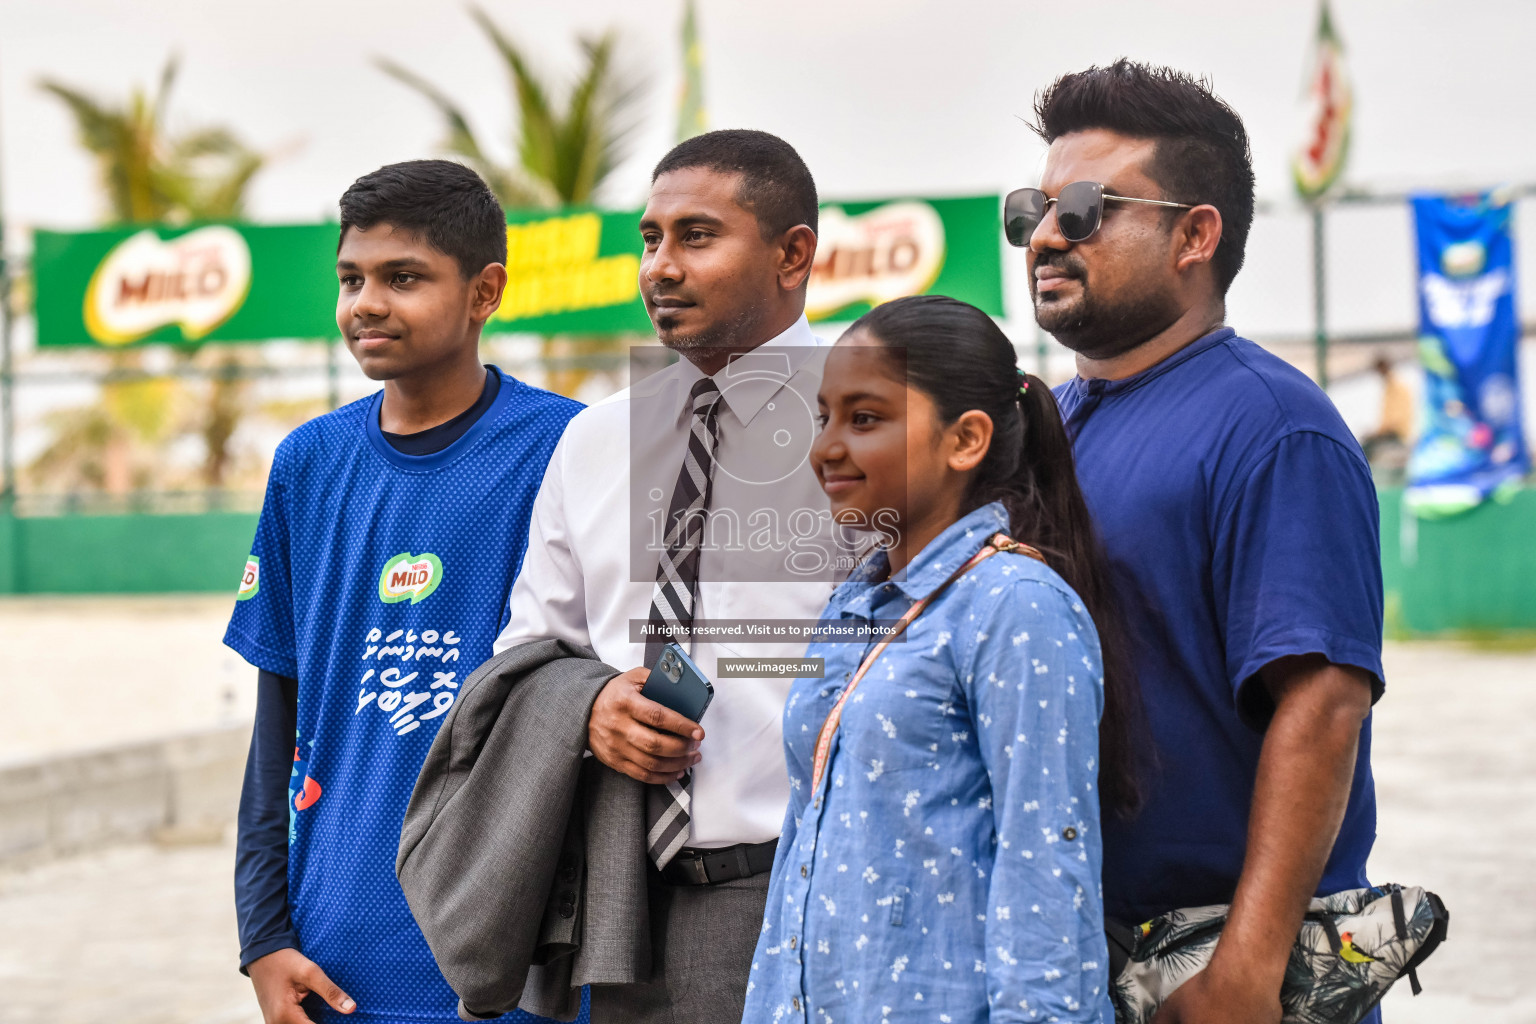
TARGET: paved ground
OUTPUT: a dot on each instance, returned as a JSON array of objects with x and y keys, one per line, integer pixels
[
  {"x": 1455, "y": 766},
  {"x": 146, "y": 933},
  {"x": 136, "y": 935},
  {"x": 77, "y": 673}
]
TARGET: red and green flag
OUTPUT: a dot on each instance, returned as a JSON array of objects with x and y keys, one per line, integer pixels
[{"x": 1328, "y": 109}]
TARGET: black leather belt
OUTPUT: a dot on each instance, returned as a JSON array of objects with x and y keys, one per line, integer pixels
[{"x": 711, "y": 867}]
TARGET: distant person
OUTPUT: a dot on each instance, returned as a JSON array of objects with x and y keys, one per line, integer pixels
[
  {"x": 941, "y": 852},
  {"x": 1239, "y": 513},
  {"x": 1390, "y": 440},
  {"x": 390, "y": 536},
  {"x": 729, "y": 234}
]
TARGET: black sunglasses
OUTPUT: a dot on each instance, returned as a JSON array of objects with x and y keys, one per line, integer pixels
[{"x": 1079, "y": 210}]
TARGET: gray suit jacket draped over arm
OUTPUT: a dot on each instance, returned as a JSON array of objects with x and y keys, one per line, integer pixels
[{"x": 518, "y": 907}]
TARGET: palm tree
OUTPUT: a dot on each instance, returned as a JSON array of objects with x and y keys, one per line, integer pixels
[
  {"x": 566, "y": 146},
  {"x": 105, "y": 446},
  {"x": 148, "y": 175},
  {"x": 564, "y": 150}
]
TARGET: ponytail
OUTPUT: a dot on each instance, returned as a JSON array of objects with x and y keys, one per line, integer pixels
[
  {"x": 1044, "y": 501},
  {"x": 957, "y": 356}
]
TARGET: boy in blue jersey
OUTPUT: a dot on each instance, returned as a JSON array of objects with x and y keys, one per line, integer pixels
[{"x": 390, "y": 536}]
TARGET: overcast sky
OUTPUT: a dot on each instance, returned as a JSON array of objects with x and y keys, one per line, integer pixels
[{"x": 916, "y": 97}]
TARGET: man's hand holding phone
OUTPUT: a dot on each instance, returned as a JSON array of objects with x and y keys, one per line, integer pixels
[{"x": 640, "y": 737}]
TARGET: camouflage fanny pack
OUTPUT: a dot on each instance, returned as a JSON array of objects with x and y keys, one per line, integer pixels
[{"x": 1352, "y": 947}]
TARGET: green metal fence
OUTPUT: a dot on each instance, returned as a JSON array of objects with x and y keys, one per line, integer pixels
[
  {"x": 123, "y": 554},
  {"x": 1472, "y": 573}
]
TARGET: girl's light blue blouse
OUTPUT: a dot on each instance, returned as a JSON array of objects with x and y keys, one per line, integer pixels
[{"x": 947, "y": 870}]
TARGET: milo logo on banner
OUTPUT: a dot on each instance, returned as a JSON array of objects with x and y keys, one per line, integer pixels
[
  {"x": 196, "y": 281},
  {"x": 410, "y": 577},
  {"x": 250, "y": 579},
  {"x": 886, "y": 253}
]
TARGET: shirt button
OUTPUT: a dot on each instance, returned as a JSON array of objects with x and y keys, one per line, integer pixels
[
  {"x": 795, "y": 1002},
  {"x": 804, "y": 870},
  {"x": 1069, "y": 833},
  {"x": 793, "y": 942}
]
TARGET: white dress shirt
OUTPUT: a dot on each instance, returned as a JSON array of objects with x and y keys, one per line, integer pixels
[{"x": 590, "y": 570}]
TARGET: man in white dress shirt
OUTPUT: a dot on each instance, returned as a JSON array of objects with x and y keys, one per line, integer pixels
[{"x": 730, "y": 235}]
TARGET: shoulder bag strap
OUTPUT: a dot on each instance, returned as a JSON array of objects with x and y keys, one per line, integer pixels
[{"x": 997, "y": 542}]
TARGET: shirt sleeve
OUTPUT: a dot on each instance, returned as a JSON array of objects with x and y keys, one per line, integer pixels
[
  {"x": 548, "y": 597},
  {"x": 1036, "y": 687},
  {"x": 261, "y": 830},
  {"x": 261, "y": 628},
  {"x": 1296, "y": 566}
]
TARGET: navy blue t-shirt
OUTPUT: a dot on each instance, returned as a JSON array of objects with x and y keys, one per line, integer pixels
[
  {"x": 1242, "y": 524},
  {"x": 378, "y": 580}
]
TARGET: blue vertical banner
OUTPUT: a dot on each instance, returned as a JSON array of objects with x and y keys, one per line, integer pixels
[{"x": 1471, "y": 445}]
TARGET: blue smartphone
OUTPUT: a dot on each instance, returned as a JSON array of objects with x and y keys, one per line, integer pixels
[{"x": 675, "y": 682}]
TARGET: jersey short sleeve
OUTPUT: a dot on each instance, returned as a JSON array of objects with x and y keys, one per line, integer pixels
[
  {"x": 261, "y": 627},
  {"x": 548, "y": 598},
  {"x": 1296, "y": 566}
]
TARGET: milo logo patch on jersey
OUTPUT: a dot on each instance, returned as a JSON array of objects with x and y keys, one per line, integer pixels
[
  {"x": 408, "y": 576},
  {"x": 250, "y": 580}
]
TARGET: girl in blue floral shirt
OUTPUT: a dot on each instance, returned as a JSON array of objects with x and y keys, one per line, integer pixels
[{"x": 940, "y": 856}]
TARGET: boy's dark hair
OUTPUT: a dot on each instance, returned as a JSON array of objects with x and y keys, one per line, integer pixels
[
  {"x": 444, "y": 203},
  {"x": 1202, "y": 153},
  {"x": 775, "y": 183}
]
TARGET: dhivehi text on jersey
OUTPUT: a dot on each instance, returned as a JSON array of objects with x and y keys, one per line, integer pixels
[{"x": 402, "y": 692}]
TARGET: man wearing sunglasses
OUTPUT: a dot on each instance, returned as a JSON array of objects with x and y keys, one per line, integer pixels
[{"x": 1239, "y": 513}]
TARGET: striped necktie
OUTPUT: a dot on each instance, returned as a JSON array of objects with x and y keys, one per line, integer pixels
[{"x": 672, "y": 603}]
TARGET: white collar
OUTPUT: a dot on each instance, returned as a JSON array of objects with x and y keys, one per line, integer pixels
[{"x": 749, "y": 379}]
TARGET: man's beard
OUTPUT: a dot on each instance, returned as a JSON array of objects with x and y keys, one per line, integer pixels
[
  {"x": 728, "y": 334},
  {"x": 1101, "y": 328}
]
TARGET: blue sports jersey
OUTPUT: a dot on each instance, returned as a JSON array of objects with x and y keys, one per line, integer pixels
[{"x": 379, "y": 580}]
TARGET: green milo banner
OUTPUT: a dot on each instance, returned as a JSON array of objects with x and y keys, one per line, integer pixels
[
  {"x": 214, "y": 282},
  {"x": 576, "y": 272},
  {"x": 871, "y": 252},
  {"x": 571, "y": 272}
]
